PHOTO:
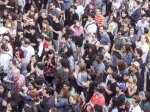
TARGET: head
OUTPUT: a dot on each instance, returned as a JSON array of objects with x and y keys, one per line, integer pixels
[
  {"x": 16, "y": 73},
  {"x": 38, "y": 83},
  {"x": 144, "y": 17},
  {"x": 66, "y": 30},
  {"x": 138, "y": 52},
  {"x": 125, "y": 7},
  {"x": 43, "y": 13},
  {"x": 45, "y": 24},
  {"x": 126, "y": 49},
  {"x": 92, "y": 76},
  {"x": 91, "y": 5},
  {"x": 73, "y": 99},
  {"x": 132, "y": 79},
  {"x": 94, "y": 37},
  {"x": 92, "y": 49},
  {"x": 51, "y": 54},
  {"x": 135, "y": 100},
  {"x": 122, "y": 65},
  {"x": 146, "y": 96},
  {"x": 66, "y": 85},
  {"x": 33, "y": 94},
  {"x": 124, "y": 14},
  {"x": 99, "y": 90},
  {"x": 34, "y": 8},
  {"x": 82, "y": 67},
  {"x": 112, "y": 19},
  {"x": 136, "y": 3},
  {"x": 34, "y": 58},
  {"x": 132, "y": 31},
  {"x": 47, "y": 93},
  {"x": 134, "y": 66},
  {"x": 106, "y": 49},
  {"x": 78, "y": 2},
  {"x": 26, "y": 109},
  {"x": 32, "y": 29},
  {"x": 69, "y": 51},
  {"x": 91, "y": 17},
  {"x": 120, "y": 87},
  {"x": 63, "y": 39},
  {"x": 52, "y": 5},
  {"x": 73, "y": 8},
  {"x": 113, "y": 77},
  {"x": 64, "y": 93},
  {"x": 146, "y": 5},
  {"x": 102, "y": 29},
  {"x": 99, "y": 58},
  {"x": 31, "y": 85},
  {"x": 12, "y": 107},
  {"x": 107, "y": 57},
  {"x": 114, "y": 101},
  {"x": 4, "y": 48},
  {"x": 12, "y": 16},
  {"x": 77, "y": 23},
  {"x": 111, "y": 69},
  {"x": 55, "y": 17},
  {"x": 6, "y": 12},
  {"x": 5, "y": 40},
  {"x": 40, "y": 38},
  {"x": 3, "y": 89},
  {"x": 98, "y": 11},
  {"x": 12, "y": 63},
  {"x": 65, "y": 64},
  {"x": 145, "y": 30},
  {"x": 25, "y": 42},
  {"x": 70, "y": 38}
]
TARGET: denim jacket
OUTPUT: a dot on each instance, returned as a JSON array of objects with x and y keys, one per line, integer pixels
[{"x": 61, "y": 104}]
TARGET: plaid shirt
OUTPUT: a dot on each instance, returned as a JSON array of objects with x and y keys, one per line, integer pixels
[{"x": 19, "y": 83}]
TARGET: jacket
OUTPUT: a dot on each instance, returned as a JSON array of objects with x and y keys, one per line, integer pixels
[
  {"x": 49, "y": 34},
  {"x": 61, "y": 104},
  {"x": 144, "y": 105},
  {"x": 72, "y": 108}
]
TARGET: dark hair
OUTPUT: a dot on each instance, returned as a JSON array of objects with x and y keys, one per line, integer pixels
[
  {"x": 113, "y": 68},
  {"x": 92, "y": 75},
  {"x": 4, "y": 47},
  {"x": 56, "y": 15},
  {"x": 35, "y": 7},
  {"x": 130, "y": 29},
  {"x": 14, "y": 97},
  {"x": 137, "y": 99},
  {"x": 122, "y": 65},
  {"x": 98, "y": 108},
  {"x": 67, "y": 30},
  {"x": 137, "y": 1},
  {"x": 126, "y": 12},
  {"x": 113, "y": 18},
  {"x": 128, "y": 49},
  {"x": 53, "y": 3},
  {"x": 21, "y": 53},
  {"x": 126, "y": 6},
  {"x": 54, "y": 110},
  {"x": 13, "y": 62},
  {"x": 13, "y": 15},
  {"x": 39, "y": 81},
  {"x": 94, "y": 49},
  {"x": 36, "y": 57},
  {"x": 48, "y": 91},
  {"x": 104, "y": 27},
  {"x": 145, "y": 30},
  {"x": 69, "y": 52},
  {"x": 58, "y": 76},
  {"x": 71, "y": 37},
  {"x": 65, "y": 64},
  {"x": 67, "y": 83},
  {"x": 27, "y": 109},
  {"x": 139, "y": 51},
  {"x": 143, "y": 15},
  {"x": 101, "y": 56},
  {"x": 53, "y": 58},
  {"x": 73, "y": 81},
  {"x": 115, "y": 102},
  {"x": 4, "y": 94},
  {"x": 14, "y": 107},
  {"x": 147, "y": 95},
  {"x": 146, "y": 110},
  {"x": 92, "y": 15},
  {"x": 63, "y": 55},
  {"x": 100, "y": 89},
  {"x": 31, "y": 82},
  {"x": 99, "y": 9},
  {"x": 26, "y": 41},
  {"x": 6, "y": 11},
  {"x": 114, "y": 75},
  {"x": 66, "y": 92}
]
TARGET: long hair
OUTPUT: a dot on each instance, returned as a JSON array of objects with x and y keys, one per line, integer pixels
[
  {"x": 4, "y": 94},
  {"x": 82, "y": 67},
  {"x": 115, "y": 102},
  {"x": 58, "y": 76},
  {"x": 47, "y": 25},
  {"x": 14, "y": 107},
  {"x": 53, "y": 58}
]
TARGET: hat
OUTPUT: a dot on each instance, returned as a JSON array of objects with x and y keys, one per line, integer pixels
[
  {"x": 135, "y": 64},
  {"x": 122, "y": 86},
  {"x": 107, "y": 55},
  {"x": 6, "y": 37},
  {"x": 20, "y": 30},
  {"x": 74, "y": 6},
  {"x": 33, "y": 27},
  {"x": 40, "y": 66},
  {"x": 92, "y": 3},
  {"x": 43, "y": 11},
  {"x": 40, "y": 36}
]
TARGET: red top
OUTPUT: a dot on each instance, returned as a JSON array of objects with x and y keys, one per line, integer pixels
[{"x": 97, "y": 100}]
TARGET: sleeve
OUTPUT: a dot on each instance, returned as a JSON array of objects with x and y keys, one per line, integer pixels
[
  {"x": 135, "y": 17},
  {"x": 92, "y": 29},
  {"x": 60, "y": 103},
  {"x": 62, "y": 6},
  {"x": 128, "y": 60},
  {"x": 108, "y": 39},
  {"x": 40, "y": 51}
]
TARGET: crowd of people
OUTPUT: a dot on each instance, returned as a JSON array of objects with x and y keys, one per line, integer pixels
[{"x": 68, "y": 56}]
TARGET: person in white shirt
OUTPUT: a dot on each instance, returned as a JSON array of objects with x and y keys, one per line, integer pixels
[
  {"x": 80, "y": 9},
  {"x": 5, "y": 40},
  {"x": 135, "y": 104},
  {"x": 5, "y": 57},
  {"x": 90, "y": 28},
  {"x": 40, "y": 51},
  {"x": 27, "y": 49}
]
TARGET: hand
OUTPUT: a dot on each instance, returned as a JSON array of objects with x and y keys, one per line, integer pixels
[
  {"x": 86, "y": 58},
  {"x": 4, "y": 103},
  {"x": 7, "y": 6},
  {"x": 105, "y": 108},
  {"x": 24, "y": 88},
  {"x": 37, "y": 103},
  {"x": 55, "y": 94},
  {"x": 92, "y": 68}
]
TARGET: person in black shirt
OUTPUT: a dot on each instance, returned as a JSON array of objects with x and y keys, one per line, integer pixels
[
  {"x": 44, "y": 17},
  {"x": 72, "y": 15},
  {"x": 110, "y": 88},
  {"x": 39, "y": 4},
  {"x": 57, "y": 28},
  {"x": 121, "y": 96},
  {"x": 3, "y": 3}
]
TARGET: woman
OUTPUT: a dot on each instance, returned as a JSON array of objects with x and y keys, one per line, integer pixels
[
  {"x": 33, "y": 12},
  {"x": 125, "y": 27},
  {"x": 11, "y": 5},
  {"x": 81, "y": 77},
  {"x": 69, "y": 54},
  {"x": 145, "y": 103},
  {"x": 47, "y": 32},
  {"x": 122, "y": 70},
  {"x": 5, "y": 16},
  {"x": 126, "y": 54},
  {"x": 131, "y": 89},
  {"x": 57, "y": 80},
  {"x": 12, "y": 107},
  {"x": 61, "y": 101},
  {"x": 131, "y": 38},
  {"x": 95, "y": 40},
  {"x": 49, "y": 62},
  {"x": 3, "y": 96},
  {"x": 34, "y": 98},
  {"x": 90, "y": 57},
  {"x": 12, "y": 19},
  {"x": 65, "y": 70},
  {"x": 26, "y": 109},
  {"x": 18, "y": 13},
  {"x": 73, "y": 104}
]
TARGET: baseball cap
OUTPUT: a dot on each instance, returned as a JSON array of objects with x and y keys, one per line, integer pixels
[
  {"x": 6, "y": 37},
  {"x": 122, "y": 86},
  {"x": 92, "y": 3},
  {"x": 107, "y": 55}
]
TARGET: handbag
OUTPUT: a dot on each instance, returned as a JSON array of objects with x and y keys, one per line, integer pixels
[{"x": 127, "y": 106}]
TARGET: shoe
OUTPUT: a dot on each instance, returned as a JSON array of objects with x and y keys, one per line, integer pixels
[{"x": 78, "y": 62}]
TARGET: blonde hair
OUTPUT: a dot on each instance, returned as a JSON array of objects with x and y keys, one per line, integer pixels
[
  {"x": 75, "y": 97},
  {"x": 134, "y": 78}
]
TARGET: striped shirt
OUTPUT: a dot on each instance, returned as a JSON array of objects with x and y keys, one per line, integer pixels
[{"x": 99, "y": 19}]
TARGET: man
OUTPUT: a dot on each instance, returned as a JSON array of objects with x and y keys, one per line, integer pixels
[
  {"x": 135, "y": 104},
  {"x": 5, "y": 57},
  {"x": 72, "y": 15},
  {"x": 99, "y": 19},
  {"x": 57, "y": 28},
  {"x": 32, "y": 36},
  {"x": 5, "y": 40},
  {"x": 19, "y": 80},
  {"x": 43, "y": 17},
  {"x": 106, "y": 49},
  {"x": 27, "y": 49},
  {"x": 121, "y": 96},
  {"x": 52, "y": 10},
  {"x": 90, "y": 28},
  {"x": 39, "y": 4},
  {"x": 134, "y": 68},
  {"x": 147, "y": 10},
  {"x": 63, "y": 44},
  {"x": 41, "y": 46},
  {"x": 110, "y": 88},
  {"x": 105, "y": 39},
  {"x": 80, "y": 9},
  {"x": 137, "y": 54},
  {"x": 48, "y": 101},
  {"x": 90, "y": 8},
  {"x": 98, "y": 67},
  {"x": 9, "y": 80},
  {"x": 135, "y": 16}
]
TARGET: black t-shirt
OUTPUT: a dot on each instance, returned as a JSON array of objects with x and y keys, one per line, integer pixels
[
  {"x": 2, "y": 7},
  {"x": 12, "y": 4},
  {"x": 147, "y": 12},
  {"x": 40, "y": 19},
  {"x": 140, "y": 61},
  {"x": 72, "y": 18},
  {"x": 39, "y": 3},
  {"x": 60, "y": 5},
  {"x": 57, "y": 27},
  {"x": 111, "y": 87},
  {"x": 121, "y": 99}
]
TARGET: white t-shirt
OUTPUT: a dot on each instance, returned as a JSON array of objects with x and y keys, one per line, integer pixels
[
  {"x": 135, "y": 109},
  {"x": 28, "y": 52},
  {"x": 145, "y": 49},
  {"x": 79, "y": 10}
]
